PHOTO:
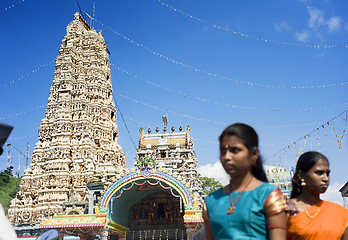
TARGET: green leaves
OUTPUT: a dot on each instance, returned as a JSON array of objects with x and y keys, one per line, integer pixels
[
  {"x": 8, "y": 187},
  {"x": 146, "y": 161},
  {"x": 210, "y": 185},
  {"x": 5, "y": 176}
]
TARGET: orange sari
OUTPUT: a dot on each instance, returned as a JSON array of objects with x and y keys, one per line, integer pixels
[{"x": 324, "y": 220}]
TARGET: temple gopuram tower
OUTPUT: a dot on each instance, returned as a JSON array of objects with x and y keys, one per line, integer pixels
[
  {"x": 172, "y": 151},
  {"x": 78, "y": 135}
]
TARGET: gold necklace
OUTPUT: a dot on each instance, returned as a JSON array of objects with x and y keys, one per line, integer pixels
[
  {"x": 311, "y": 217},
  {"x": 308, "y": 215},
  {"x": 233, "y": 204}
]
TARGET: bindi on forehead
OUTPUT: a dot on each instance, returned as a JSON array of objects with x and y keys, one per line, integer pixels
[{"x": 226, "y": 146}]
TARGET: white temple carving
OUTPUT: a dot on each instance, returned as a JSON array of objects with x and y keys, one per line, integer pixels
[{"x": 77, "y": 135}]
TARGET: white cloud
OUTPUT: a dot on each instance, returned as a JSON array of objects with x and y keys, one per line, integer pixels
[
  {"x": 303, "y": 36},
  {"x": 333, "y": 194},
  {"x": 334, "y": 23},
  {"x": 283, "y": 26},
  {"x": 316, "y": 23},
  {"x": 215, "y": 171},
  {"x": 316, "y": 17}
]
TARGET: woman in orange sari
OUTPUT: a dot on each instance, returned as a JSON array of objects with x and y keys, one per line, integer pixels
[{"x": 309, "y": 216}]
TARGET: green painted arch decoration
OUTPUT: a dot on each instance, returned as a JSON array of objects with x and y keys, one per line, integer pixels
[{"x": 137, "y": 178}]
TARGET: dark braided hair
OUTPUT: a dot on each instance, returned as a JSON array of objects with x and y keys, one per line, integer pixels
[
  {"x": 306, "y": 161},
  {"x": 251, "y": 140}
]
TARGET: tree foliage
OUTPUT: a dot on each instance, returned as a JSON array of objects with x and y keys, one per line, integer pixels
[
  {"x": 8, "y": 187},
  {"x": 210, "y": 185},
  {"x": 145, "y": 161},
  {"x": 5, "y": 176}
]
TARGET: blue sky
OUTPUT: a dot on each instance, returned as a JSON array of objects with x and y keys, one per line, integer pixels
[{"x": 204, "y": 63}]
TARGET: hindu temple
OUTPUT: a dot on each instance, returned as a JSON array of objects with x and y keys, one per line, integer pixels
[{"x": 77, "y": 181}]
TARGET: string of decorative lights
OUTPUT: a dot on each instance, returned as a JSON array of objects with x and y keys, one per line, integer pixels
[
  {"x": 215, "y": 74},
  {"x": 11, "y": 6},
  {"x": 175, "y": 113},
  {"x": 192, "y": 68},
  {"x": 22, "y": 137},
  {"x": 196, "y": 139},
  {"x": 305, "y": 137},
  {"x": 248, "y": 35},
  {"x": 224, "y": 104},
  {"x": 27, "y": 74},
  {"x": 292, "y": 126},
  {"x": 158, "y": 108},
  {"x": 261, "y": 126},
  {"x": 311, "y": 142},
  {"x": 141, "y": 123},
  {"x": 23, "y": 112},
  {"x": 178, "y": 91},
  {"x": 179, "y": 114},
  {"x": 261, "y": 145}
]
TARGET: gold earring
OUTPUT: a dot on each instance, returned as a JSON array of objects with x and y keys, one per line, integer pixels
[
  {"x": 253, "y": 162},
  {"x": 303, "y": 183}
]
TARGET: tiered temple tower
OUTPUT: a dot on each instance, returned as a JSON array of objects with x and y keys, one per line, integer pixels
[
  {"x": 172, "y": 151},
  {"x": 78, "y": 136}
]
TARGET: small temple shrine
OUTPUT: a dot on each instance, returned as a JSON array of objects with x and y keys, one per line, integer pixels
[{"x": 77, "y": 182}]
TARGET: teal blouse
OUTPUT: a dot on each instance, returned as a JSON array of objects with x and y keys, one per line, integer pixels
[{"x": 248, "y": 220}]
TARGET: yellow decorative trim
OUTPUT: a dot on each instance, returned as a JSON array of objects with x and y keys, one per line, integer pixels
[
  {"x": 114, "y": 226},
  {"x": 81, "y": 216},
  {"x": 193, "y": 216}
]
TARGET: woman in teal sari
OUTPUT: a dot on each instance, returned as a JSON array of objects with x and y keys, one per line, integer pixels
[{"x": 249, "y": 207}]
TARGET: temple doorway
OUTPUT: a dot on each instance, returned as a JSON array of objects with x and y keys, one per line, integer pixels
[{"x": 158, "y": 216}]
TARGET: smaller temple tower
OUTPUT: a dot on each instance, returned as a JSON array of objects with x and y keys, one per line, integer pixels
[{"x": 172, "y": 151}]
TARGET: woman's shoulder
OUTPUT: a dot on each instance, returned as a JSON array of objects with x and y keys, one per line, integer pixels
[
  {"x": 265, "y": 188},
  {"x": 336, "y": 206},
  {"x": 336, "y": 211},
  {"x": 275, "y": 201},
  {"x": 217, "y": 193},
  {"x": 264, "y": 191}
]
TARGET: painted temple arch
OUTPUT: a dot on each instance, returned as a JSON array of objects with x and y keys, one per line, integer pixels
[
  {"x": 142, "y": 200},
  {"x": 138, "y": 178}
]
